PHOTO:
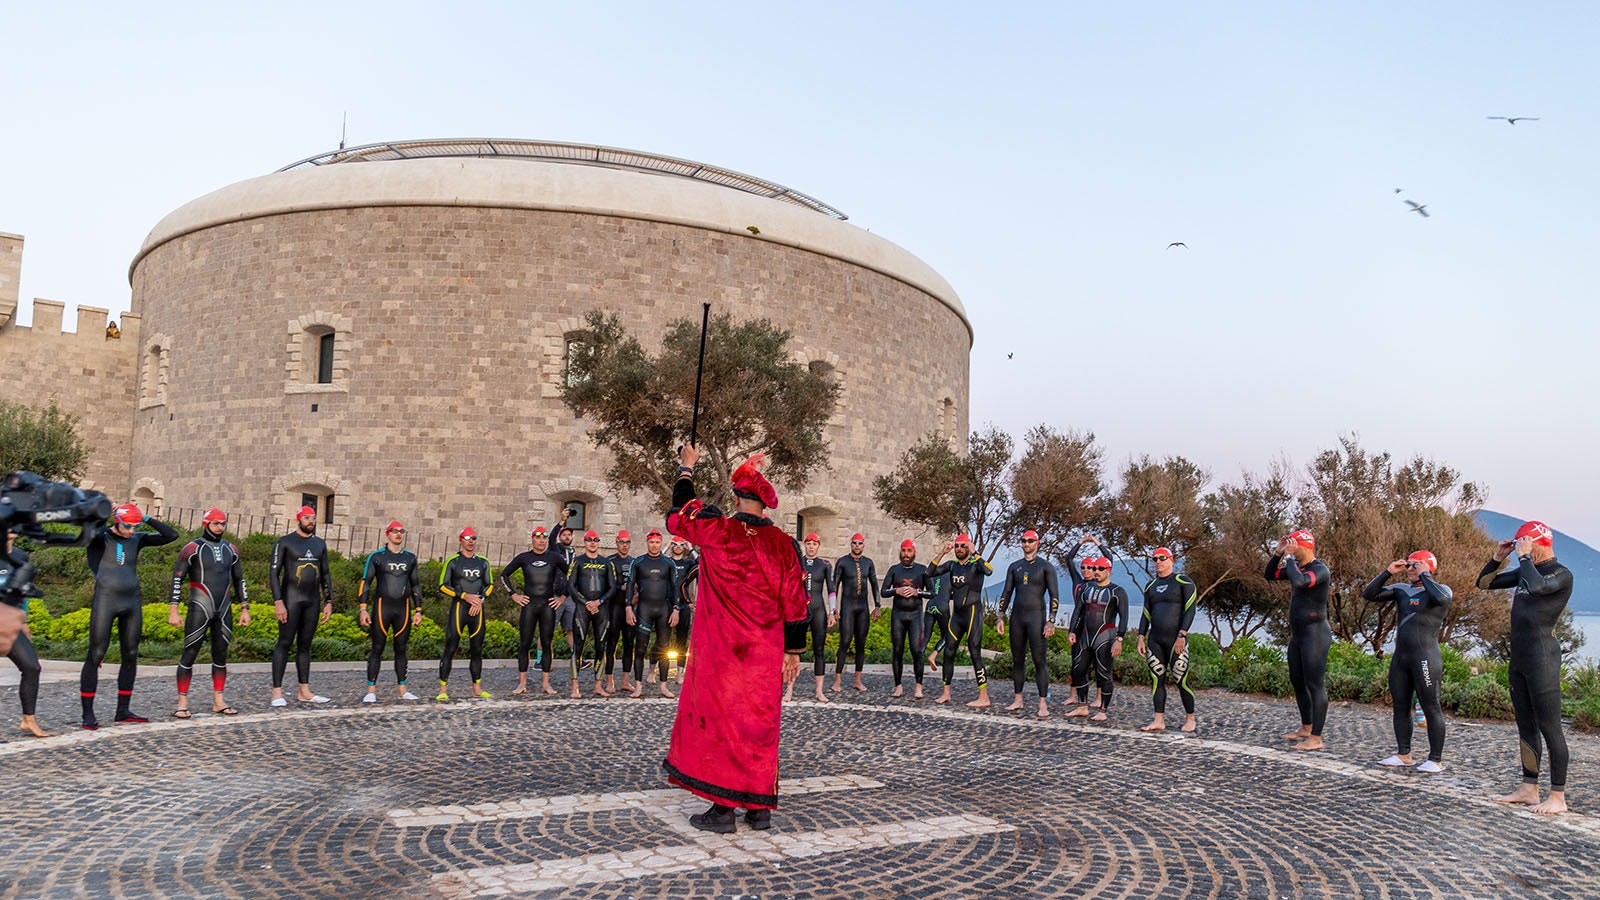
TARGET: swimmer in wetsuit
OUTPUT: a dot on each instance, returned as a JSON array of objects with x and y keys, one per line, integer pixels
[
  {"x": 1309, "y": 636},
  {"x": 390, "y": 580},
  {"x": 23, "y": 654},
  {"x": 820, "y": 614},
  {"x": 298, "y": 576},
  {"x": 965, "y": 575},
  {"x": 907, "y": 582},
  {"x": 1099, "y": 620},
  {"x": 652, "y": 611},
  {"x": 1169, "y": 607},
  {"x": 618, "y": 631},
  {"x": 688, "y": 587},
  {"x": 855, "y": 580},
  {"x": 215, "y": 574},
  {"x": 1033, "y": 583},
  {"x": 468, "y": 580},
  {"x": 591, "y": 586},
  {"x": 1417, "y": 667},
  {"x": 543, "y": 593},
  {"x": 113, "y": 557},
  {"x": 1543, "y": 587}
]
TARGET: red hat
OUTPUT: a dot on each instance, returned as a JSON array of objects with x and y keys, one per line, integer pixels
[
  {"x": 128, "y": 514},
  {"x": 1030, "y": 535},
  {"x": 1102, "y": 562},
  {"x": 305, "y": 511},
  {"x": 674, "y": 539},
  {"x": 213, "y": 515},
  {"x": 623, "y": 535},
  {"x": 1427, "y": 557},
  {"x": 857, "y": 537},
  {"x": 591, "y": 535},
  {"x": 539, "y": 531},
  {"x": 812, "y": 537},
  {"x": 1163, "y": 551},
  {"x": 393, "y": 526},
  {"x": 908, "y": 544},
  {"x": 466, "y": 533},
  {"x": 652, "y": 533},
  {"x": 1538, "y": 532},
  {"x": 1304, "y": 539},
  {"x": 748, "y": 482},
  {"x": 963, "y": 538}
]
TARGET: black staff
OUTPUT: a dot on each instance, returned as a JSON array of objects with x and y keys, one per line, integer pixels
[{"x": 699, "y": 372}]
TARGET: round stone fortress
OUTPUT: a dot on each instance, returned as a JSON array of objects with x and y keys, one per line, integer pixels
[{"x": 384, "y": 330}]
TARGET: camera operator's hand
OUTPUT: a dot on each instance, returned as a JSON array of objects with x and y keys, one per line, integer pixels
[{"x": 11, "y": 622}]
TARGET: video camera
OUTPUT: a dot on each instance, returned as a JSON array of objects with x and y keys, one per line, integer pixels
[{"x": 27, "y": 504}]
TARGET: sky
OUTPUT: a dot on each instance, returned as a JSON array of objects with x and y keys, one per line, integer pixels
[{"x": 1041, "y": 157}]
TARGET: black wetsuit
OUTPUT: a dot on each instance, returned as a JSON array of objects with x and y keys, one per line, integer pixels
[
  {"x": 855, "y": 581},
  {"x": 965, "y": 619},
  {"x": 1099, "y": 619},
  {"x": 1542, "y": 594},
  {"x": 589, "y": 580},
  {"x": 688, "y": 584},
  {"x": 905, "y": 616},
  {"x": 935, "y": 614},
  {"x": 392, "y": 583},
  {"x": 463, "y": 575},
  {"x": 212, "y": 568},
  {"x": 653, "y": 596},
  {"x": 1309, "y": 635},
  {"x": 544, "y": 576},
  {"x": 819, "y": 575},
  {"x": 1169, "y": 606},
  {"x": 1030, "y": 583},
  {"x": 113, "y": 561},
  {"x": 617, "y": 630},
  {"x": 1416, "y": 670},
  {"x": 298, "y": 577}
]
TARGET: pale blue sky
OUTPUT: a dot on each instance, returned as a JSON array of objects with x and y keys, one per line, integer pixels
[{"x": 1040, "y": 156}]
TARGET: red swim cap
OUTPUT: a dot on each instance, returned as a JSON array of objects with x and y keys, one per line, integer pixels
[
  {"x": 623, "y": 535},
  {"x": 466, "y": 532},
  {"x": 1538, "y": 532},
  {"x": 128, "y": 514},
  {"x": 393, "y": 526},
  {"x": 1304, "y": 539},
  {"x": 306, "y": 511},
  {"x": 908, "y": 544},
  {"x": 1425, "y": 556},
  {"x": 812, "y": 537},
  {"x": 213, "y": 515}
]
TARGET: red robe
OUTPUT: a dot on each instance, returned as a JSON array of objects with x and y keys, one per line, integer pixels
[{"x": 725, "y": 739}]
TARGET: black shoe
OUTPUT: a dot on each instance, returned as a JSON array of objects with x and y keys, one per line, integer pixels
[
  {"x": 718, "y": 819},
  {"x": 759, "y": 819},
  {"x": 128, "y": 718}
]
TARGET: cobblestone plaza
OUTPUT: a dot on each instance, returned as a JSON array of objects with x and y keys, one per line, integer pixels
[{"x": 881, "y": 799}]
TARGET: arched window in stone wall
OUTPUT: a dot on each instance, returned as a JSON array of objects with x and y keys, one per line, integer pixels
[
  {"x": 318, "y": 354},
  {"x": 559, "y": 339},
  {"x": 820, "y": 515},
  {"x": 827, "y": 365},
  {"x": 945, "y": 418},
  {"x": 153, "y": 377},
  {"x": 318, "y": 490},
  {"x": 593, "y": 501},
  {"x": 148, "y": 495}
]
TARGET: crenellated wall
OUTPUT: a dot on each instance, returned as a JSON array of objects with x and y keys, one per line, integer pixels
[{"x": 86, "y": 372}]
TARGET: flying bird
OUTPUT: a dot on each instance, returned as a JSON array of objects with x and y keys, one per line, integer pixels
[
  {"x": 1418, "y": 208},
  {"x": 752, "y": 229},
  {"x": 1512, "y": 120},
  {"x": 1398, "y": 190},
  {"x": 1177, "y": 244},
  {"x": 1009, "y": 355}
]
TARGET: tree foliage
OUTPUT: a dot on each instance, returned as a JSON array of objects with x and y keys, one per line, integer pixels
[
  {"x": 936, "y": 486},
  {"x": 1157, "y": 504},
  {"x": 1056, "y": 488},
  {"x": 45, "y": 441},
  {"x": 755, "y": 398}
]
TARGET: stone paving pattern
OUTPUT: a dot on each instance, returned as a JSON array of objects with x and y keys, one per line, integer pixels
[{"x": 314, "y": 802}]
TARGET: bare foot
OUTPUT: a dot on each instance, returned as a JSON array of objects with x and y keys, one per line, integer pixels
[
  {"x": 550, "y": 691},
  {"x": 1159, "y": 723},
  {"x": 1082, "y": 712},
  {"x": 837, "y": 685},
  {"x": 1557, "y": 803},
  {"x": 1099, "y": 716},
  {"x": 1015, "y": 704},
  {"x": 521, "y": 689},
  {"x": 662, "y": 689},
  {"x": 981, "y": 702},
  {"x": 944, "y": 697},
  {"x": 898, "y": 691},
  {"x": 611, "y": 685},
  {"x": 860, "y": 687},
  {"x": 1189, "y": 725},
  {"x": 821, "y": 697},
  {"x": 1044, "y": 709},
  {"x": 788, "y": 694},
  {"x": 1311, "y": 743},
  {"x": 1527, "y": 795},
  {"x": 31, "y": 726},
  {"x": 637, "y": 692},
  {"x": 576, "y": 694},
  {"x": 601, "y": 692},
  {"x": 916, "y": 693},
  {"x": 1299, "y": 734}
]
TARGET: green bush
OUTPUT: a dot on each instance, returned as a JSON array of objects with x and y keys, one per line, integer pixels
[
  {"x": 1262, "y": 676},
  {"x": 327, "y": 649},
  {"x": 499, "y": 640},
  {"x": 39, "y": 620},
  {"x": 1457, "y": 667},
  {"x": 347, "y": 629},
  {"x": 70, "y": 627},
  {"x": 1481, "y": 697},
  {"x": 156, "y": 627},
  {"x": 1060, "y": 665},
  {"x": 1248, "y": 651},
  {"x": 1585, "y": 712}
]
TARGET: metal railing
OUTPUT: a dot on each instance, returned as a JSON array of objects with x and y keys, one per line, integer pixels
[
  {"x": 348, "y": 540},
  {"x": 561, "y": 152}
]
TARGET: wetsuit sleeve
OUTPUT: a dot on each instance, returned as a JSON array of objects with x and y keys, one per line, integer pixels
[
  {"x": 872, "y": 582},
  {"x": 1190, "y": 594},
  {"x": 1298, "y": 577},
  {"x": 447, "y": 579},
  {"x": 505, "y": 574},
  {"x": 1275, "y": 568},
  {"x": 1007, "y": 589},
  {"x": 488, "y": 589},
  {"x": 1488, "y": 580},
  {"x": 1072, "y": 567},
  {"x": 943, "y": 568},
  {"x": 1533, "y": 582},
  {"x": 240, "y": 590},
  {"x": 1437, "y": 593},
  {"x": 827, "y": 579},
  {"x": 1052, "y": 586},
  {"x": 1077, "y": 608},
  {"x": 632, "y": 598},
  {"x": 96, "y": 549},
  {"x": 275, "y": 571},
  {"x": 367, "y": 577},
  {"x": 1376, "y": 588},
  {"x": 613, "y": 589},
  {"x": 1122, "y": 611},
  {"x": 1144, "y": 617},
  {"x": 325, "y": 577},
  {"x": 179, "y": 570},
  {"x": 887, "y": 589},
  {"x": 165, "y": 534}
]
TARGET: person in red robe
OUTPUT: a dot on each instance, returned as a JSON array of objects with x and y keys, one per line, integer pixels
[{"x": 749, "y": 631}]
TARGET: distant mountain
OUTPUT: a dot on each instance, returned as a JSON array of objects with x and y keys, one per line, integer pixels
[{"x": 1582, "y": 559}]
